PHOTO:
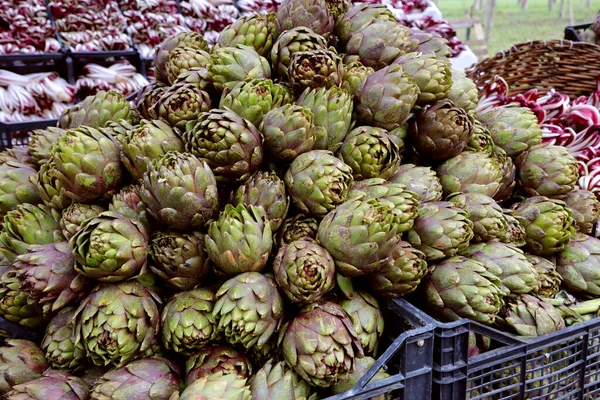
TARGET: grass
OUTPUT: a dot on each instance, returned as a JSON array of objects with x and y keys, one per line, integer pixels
[{"x": 513, "y": 25}]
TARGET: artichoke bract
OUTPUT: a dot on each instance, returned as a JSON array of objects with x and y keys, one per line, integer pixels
[
  {"x": 578, "y": 265},
  {"x": 240, "y": 240},
  {"x": 50, "y": 189},
  {"x": 257, "y": 31},
  {"x": 292, "y": 41},
  {"x": 188, "y": 323},
  {"x": 182, "y": 39},
  {"x": 51, "y": 385},
  {"x": 298, "y": 227},
  {"x": 275, "y": 380},
  {"x": 182, "y": 103},
  {"x": 320, "y": 344},
  {"x": 183, "y": 59},
  {"x": 217, "y": 358},
  {"x": 548, "y": 223},
  {"x": 318, "y": 182},
  {"x": 117, "y": 322},
  {"x": 549, "y": 280},
  {"x": 489, "y": 222},
  {"x": 153, "y": 378},
  {"x": 75, "y": 215},
  {"x": 441, "y": 230},
  {"x": 230, "y": 144},
  {"x": 249, "y": 309},
  {"x": 471, "y": 173},
  {"x": 365, "y": 314},
  {"x": 180, "y": 259},
  {"x": 462, "y": 288},
  {"x": 386, "y": 98},
  {"x": 463, "y": 93},
  {"x": 432, "y": 75},
  {"x": 16, "y": 186},
  {"x": 304, "y": 271},
  {"x": 315, "y": 69},
  {"x": 88, "y": 164},
  {"x": 20, "y": 361},
  {"x": 509, "y": 173},
  {"x": 98, "y": 110},
  {"x": 585, "y": 207},
  {"x": 530, "y": 316},
  {"x": 110, "y": 247},
  {"x": 59, "y": 342},
  {"x": 217, "y": 386},
  {"x": 40, "y": 143},
  {"x": 370, "y": 152},
  {"x": 312, "y": 14},
  {"x": 547, "y": 170},
  {"x": 420, "y": 180},
  {"x": 180, "y": 191},
  {"x": 359, "y": 16},
  {"x": 231, "y": 65}
]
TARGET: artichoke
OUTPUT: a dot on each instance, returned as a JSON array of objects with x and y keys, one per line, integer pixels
[
  {"x": 257, "y": 31},
  {"x": 433, "y": 76},
  {"x": 463, "y": 288},
  {"x": 361, "y": 368},
  {"x": 51, "y": 385},
  {"x": 50, "y": 190},
  {"x": 253, "y": 98},
  {"x": 320, "y": 344},
  {"x": 266, "y": 190},
  {"x": 110, "y": 247},
  {"x": 59, "y": 342},
  {"x": 147, "y": 98},
  {"x": 88, "y": 164},
  {"x": 298, "y": 227},
  {"x": 179, "y": 259},
  {"x": 183, "y": 59},
  {"x": 214, "y": 359},
  {"x": 547, "y": 170},
  {"x": 182, "y": 39},
  {"x": 489, "y": 222},
  {"x": 98, "y": 110},
  {"x": 355, "y": 73},
  {"x": 441, "y": 131},
  {"x": 312, "y": 14},
  {"x": 249, "y": 309},
  {"x": 180, "y": 191},
  {"x": 315, "y": 69},
  {"x": 231, "y": 145},
  {"x": 20, "y": 361},
  {"x": 149, "y": 141},
  {"x": 231, "y": 65},
  {"x": 304, "y": 271},
  {"x": 463, "y": 93},
  {"x": 188, "y": 323},
  {"x": 292, "y": 41},
  {"x": 548, "y": 224},
  {"x": 371, "y": 153},
  {"x": 75, "y": 215},
  {"x": 19, "y": 155},
  {"x": 240, "y": 240},
  {"x": 18, "y": 306},
  {"x": 182, "y": 103},
  {"x": 365, "y": 314},
  {"x": 585, "y": 208},
  {"x": 275, "y": 380},
  {"x": 516, "y": 231},
  {"x": 529, "y": 316},
  {"x": 481, "y": 140},
  {"x": 215, "y": 387},
  {"x": 117, "y": 322},
  {"x": 514, "y": 129},
  {"x": 386, "y": 98},
  {"x": 379, "y": 43},
  {"x": 579, "y": 267},
  {"x": 420, "y": 180},
  {"x": 318, "y": 182},
  {"x": 147, "y": 378},
  {"x": 549, "y": 280},
  {"x": 441, "y": 230},
  {"x": 359, "y": 16},
  {"x": 509, "y": 172},
  {"x": 17, "y": 186},
  {"x": 471, "y": 173},
  {"x": 129, "y": 203},
  {"x": 332, "y": 108},
  {"x": 401, "y": 274},
  {"x": 40, "y": 143}
]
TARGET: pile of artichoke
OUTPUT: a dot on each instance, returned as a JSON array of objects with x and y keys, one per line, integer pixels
[{"x": 236, "y": 230}]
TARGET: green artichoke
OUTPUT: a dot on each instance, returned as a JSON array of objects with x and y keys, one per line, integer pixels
[
  {"x": 256, "y": 30},
  {"x": 312, "y": 14},
  {"x": 147, "y": 98},
  {"x": 182, "y": 39},
  {"x": 489, "y": 222},
  {"x": 110, "y": 247},
  {"x": 420, "y": 180},
  {"x": 215, "y": 387},
  {"x": 361, "y": 367},
  {"x": 16, "y": 186},
  {"x": 529, "y": 316},
  {"x": 179, "y": 259},
  {"x": 547, "y": 170},
  {"x": 180, "y": 191},
  {"x": 355, "y": 73},
  {"x": 380, "y": 43},
  {"x": 27, "y": 225},
  {"x": 20, "y": 361},
  {"x": 318, "y": 182},
  {"x": 432, "y": 75},
  {"x": 214, "y": 359},
  {"x": 514, "y": 129},
  {"x": 463, "y": 288},
  {"x": 18, "y": 306},
  {"x": 231, "y": 65},
  {"x": 315, "y": 69},
  {"x": 188, "y": 323},
  {"x": 129, "y": 203},
  {"x": 117, "y": 322},
  {"x": 441, "y": 230},
  {"x": 75, "y": 215},
  {"x": 51, "y": 385},
  {"x": 332, "y": 108},
  {"x": 304, "y": 271},
  {"x": 147, "y": 378},
  {"x": 253, "y": 98},
  {"x": 300, "y": 226},
  {"x": 40, "y": 143},
  {"x": 386, "y": 98},
  {"x": 249, "y": 309},
  {"x": 182, "y": 103},
  {"x": 149, "y": 141},
  {"x": 231, "y": 145},
  {"x": 549, "y": 280},
  {"x": 359, "y": 16},
  {"x": 365, "y": 314},
  {"x": 463, "y": 93},
  {"x": 548, "y": 223},
  {"x": 240, "y": 240},
  {"x": 320, "y": 344},
  {"x": 579, "y": 267},
  {"x": 471, "y": 173},
  {"x": 97, "y": 110},
  {"x": 49, "y": 187},
  {"x": 275, "y": 380},
  {"x": 481, "y": 140},
  {"x": 585, "y": 208},
  {"x": 59, "y": 342},
  {"x": 183, "y": 59},
  {"x": 401, "y": 274},
  {"x": 88, "y": 164},
  {"x": 370, "y": 152},
  {"x": 290, "y": 42}
]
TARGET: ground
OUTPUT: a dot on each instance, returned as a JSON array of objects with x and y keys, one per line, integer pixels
[{"x": 512, "y": 25}]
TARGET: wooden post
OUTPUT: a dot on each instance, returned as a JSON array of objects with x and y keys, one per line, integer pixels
[
  {"x": 589, "y": 3},
  {"x": 550, "y": 5},
  {"x": 524, "y": 4},
  {"x": 571, "y": 17},
  {"x": 489, "y": 17},
  {"x": 477, "y": 5},
  {"x": 562, "y": 9}
]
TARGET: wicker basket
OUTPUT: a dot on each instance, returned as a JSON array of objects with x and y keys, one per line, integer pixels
[{"x": 569, "y": 67}]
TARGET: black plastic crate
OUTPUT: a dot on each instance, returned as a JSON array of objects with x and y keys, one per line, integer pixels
[
  {"x": 17, "y": 332},
  {"x": 573, "y": 32},
  {"x": 408, "y": 344}
]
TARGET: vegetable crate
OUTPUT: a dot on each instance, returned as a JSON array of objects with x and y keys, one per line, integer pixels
[
  {"x": 561, "y": 365},
  {"x": 14, "y": 331},
  {"x": 574, "y": 32},
  {"x": 407, "y": 358}
]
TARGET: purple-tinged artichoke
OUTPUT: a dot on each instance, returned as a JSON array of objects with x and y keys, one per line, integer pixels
[
  {"x": 433, "y": 43},
  {"x": 147, "y": 98},
  {"x": 312, "y": 14},
  {"x": 182, "y": 39},
  {"x": 59, "y": 342},
  {"x": 292, "y": 41},
  {"x": 516, "y": 230},
  {"x": 300, "y": 226},
  {"x": 75, "y": 215},
  {"x": 315, "y": 69},
  {"x": 40, "y": 143},
  {"x": 579, "y": 266},
  {"x": 471, "y": 173},
  {"x": 129, "y": 203},
  {"x": 367, "y": 319},
  {"x": 51, "y": 385},
  {"x": 20, "y": 361},
  {"x": 355, "y": 73},
  {"x": 463, "y": 93},
  {"x": 18, "y": 306},
  {"x": 50, "y": 190},
  {"x": 585, "y": 208},
  {"x": 359, "y": 16},
  {"x": 275, "y": 380},
  {"x": 216, "y": 386},
  {"x": 432, "y": 75},
  {"x": 217, "y": 358},
  {"x": 182, "y": 103},
  {"x": 183, "y": 59},
  {"x": 231, "y": 65},
  {"x": 529, "y": 316},
  {"x": 509, "y": 173},
  {"x": 489, "y": 222},
  {"x": 549, "y": 280},
  {"x": 420, "y": 180},
  {"x": 16, "y": 186}
]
